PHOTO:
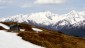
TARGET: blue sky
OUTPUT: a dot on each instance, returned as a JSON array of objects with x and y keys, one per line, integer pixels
[{"x": 14, "y": 7}]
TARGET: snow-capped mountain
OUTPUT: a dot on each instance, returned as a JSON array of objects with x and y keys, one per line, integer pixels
[{"x": 72, "y": 23}]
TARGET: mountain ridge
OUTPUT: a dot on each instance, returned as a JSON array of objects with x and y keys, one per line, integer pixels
[{"x": 71, "y": 20}]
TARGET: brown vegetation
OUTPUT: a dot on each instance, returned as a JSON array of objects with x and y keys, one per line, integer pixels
[
  {"x": 51, "y": 39},
  {"x": 26, "y": 27},
  {"x": 1, "y": 28}
]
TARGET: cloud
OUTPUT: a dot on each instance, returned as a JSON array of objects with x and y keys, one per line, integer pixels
[
  {"x": 16, "y": 3},
  {"x": 49, "y": 1},
  {"x": 6, "y": 1},
  {"x": 26, "y": 5}
]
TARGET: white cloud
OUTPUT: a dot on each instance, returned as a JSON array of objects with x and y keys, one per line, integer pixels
[
  {"x": 6, "y": 1},
  {"x": 26, "y": 5},
  {"x": 49, "y": 1},
  {"x": 22, "y": 4}
]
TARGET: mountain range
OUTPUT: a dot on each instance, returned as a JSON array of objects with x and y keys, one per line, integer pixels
[{"x": 72, "y": 23}]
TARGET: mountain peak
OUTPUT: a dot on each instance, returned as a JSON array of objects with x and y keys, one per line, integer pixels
[
  {"x": 48, "y": 11},
  {"x": 73, "y": 13}
]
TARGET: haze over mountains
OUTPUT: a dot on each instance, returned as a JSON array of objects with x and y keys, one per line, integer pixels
[{"x": 72, "y": 23}]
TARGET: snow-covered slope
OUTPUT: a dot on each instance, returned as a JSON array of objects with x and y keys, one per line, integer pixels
[
  {"x": 4, "y": 26},
  {"x": 73, "y": 19},
  {"x": 11, "y": 40}
]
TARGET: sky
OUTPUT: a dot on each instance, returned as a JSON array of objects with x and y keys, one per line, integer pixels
[{"x": 14, "y": 7}]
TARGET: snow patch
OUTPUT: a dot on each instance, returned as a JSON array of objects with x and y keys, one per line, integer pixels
[
  {"x": 4, "y": 26},
  {"x": 37, "y": 30},
  {"x": 22, "y": 29},
  {"x": 11, "y": 40}
]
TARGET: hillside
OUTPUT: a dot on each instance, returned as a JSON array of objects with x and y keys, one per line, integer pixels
[
  {"x": 50, "y": 39},
  {"x": 9, "y": 39}
]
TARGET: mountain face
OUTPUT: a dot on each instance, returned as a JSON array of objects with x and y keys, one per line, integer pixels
[{"x": 72, "y": 23}]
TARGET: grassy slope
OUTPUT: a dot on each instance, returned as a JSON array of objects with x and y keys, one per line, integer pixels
[{"x": 51, "y": 39}]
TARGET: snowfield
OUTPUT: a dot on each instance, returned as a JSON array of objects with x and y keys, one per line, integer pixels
[{"x": 11, "y": 40}]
